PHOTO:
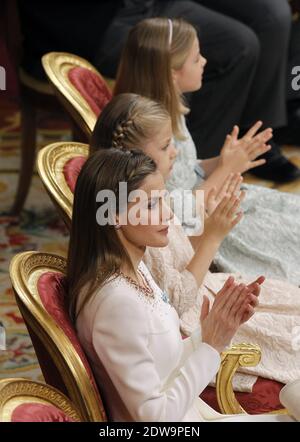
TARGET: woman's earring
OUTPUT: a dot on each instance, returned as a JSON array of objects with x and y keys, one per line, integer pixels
[{"x": 117, "y": 226}]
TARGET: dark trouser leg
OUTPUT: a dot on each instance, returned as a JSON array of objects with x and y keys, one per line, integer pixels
[{"x": 271, "y": 21}]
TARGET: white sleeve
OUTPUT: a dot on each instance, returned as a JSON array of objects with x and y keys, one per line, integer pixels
[
  {"x": 184, "y": 206},
  {"x": 190, "y": 344},
  {"x": 121, "y": 337}
]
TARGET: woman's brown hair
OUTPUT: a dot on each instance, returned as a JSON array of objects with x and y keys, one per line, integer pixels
[
  {"x": 148, "y": 59},
  {"x": 95, "y": 251}
]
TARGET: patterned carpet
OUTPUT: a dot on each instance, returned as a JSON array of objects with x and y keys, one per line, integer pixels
[{"x": 38, "y": 229}]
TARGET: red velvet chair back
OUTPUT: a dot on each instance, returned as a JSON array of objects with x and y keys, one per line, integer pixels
[
  {"x": 92, "y": 87},
  {"x": 39, "y": 283},
  {"x": 58, "y": 165},
  {"x": 71, "y": 171}
]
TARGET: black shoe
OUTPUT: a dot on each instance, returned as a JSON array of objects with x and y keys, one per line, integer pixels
[{"x": 277, "y": 168}]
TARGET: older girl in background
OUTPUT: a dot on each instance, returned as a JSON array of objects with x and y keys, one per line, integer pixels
[{"x": 162, "y": 61}]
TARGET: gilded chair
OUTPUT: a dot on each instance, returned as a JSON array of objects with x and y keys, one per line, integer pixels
[
  {"x": 59, "y": 165},
  {"x": 38, "y": 280},
  {"x": 79, "y": 86},
  {"x": 22, "y": 400}
]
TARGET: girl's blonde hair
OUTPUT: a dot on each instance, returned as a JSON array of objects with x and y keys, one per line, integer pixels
[
  {"x": 127, "y": 121},
  {"x": 148, "y": 59}
]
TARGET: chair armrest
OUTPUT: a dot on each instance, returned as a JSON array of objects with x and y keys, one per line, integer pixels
[{"x": 240, "y": 355}]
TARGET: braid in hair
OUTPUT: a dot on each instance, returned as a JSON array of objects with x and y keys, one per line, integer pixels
[{"x": 120, "y": 133}]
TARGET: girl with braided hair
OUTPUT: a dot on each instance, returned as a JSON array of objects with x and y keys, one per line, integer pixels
[
  {"x": 184, "y": 272},
  {"x": 162, "y": 60}
]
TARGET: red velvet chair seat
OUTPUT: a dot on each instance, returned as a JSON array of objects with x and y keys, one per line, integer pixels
[{"x": 264, "y": 397}]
